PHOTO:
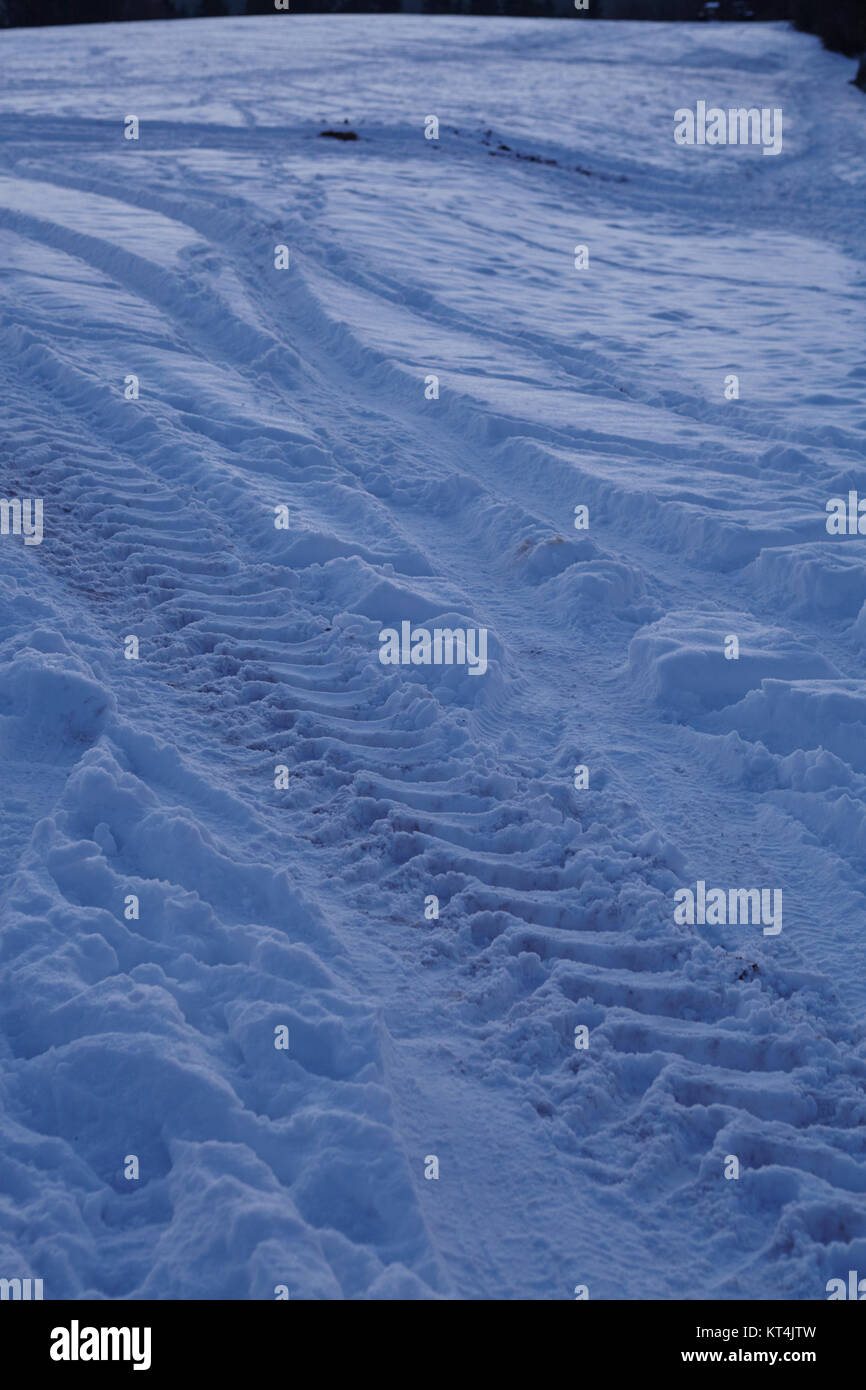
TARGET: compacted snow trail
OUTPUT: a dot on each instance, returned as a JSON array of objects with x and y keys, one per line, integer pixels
[{"x": 241, "y": 830}]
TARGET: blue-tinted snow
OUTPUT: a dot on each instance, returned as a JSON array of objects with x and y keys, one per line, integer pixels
[{"x": 303, "y": 906}]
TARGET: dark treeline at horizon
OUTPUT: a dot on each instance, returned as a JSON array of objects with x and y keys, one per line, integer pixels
[{"x": 841, "y": 24}]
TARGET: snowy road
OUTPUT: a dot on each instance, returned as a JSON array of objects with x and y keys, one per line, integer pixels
[{"x": 237, "y": 832}]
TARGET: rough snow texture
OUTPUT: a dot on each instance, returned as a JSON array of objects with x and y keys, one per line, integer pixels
[{"x": 304, "y": 906}]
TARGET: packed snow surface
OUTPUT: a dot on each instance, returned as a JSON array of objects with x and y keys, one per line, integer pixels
[{"x": 300, "y": 899}]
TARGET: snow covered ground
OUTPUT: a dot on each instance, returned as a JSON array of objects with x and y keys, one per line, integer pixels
[{"x": 295, "y": 900}]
